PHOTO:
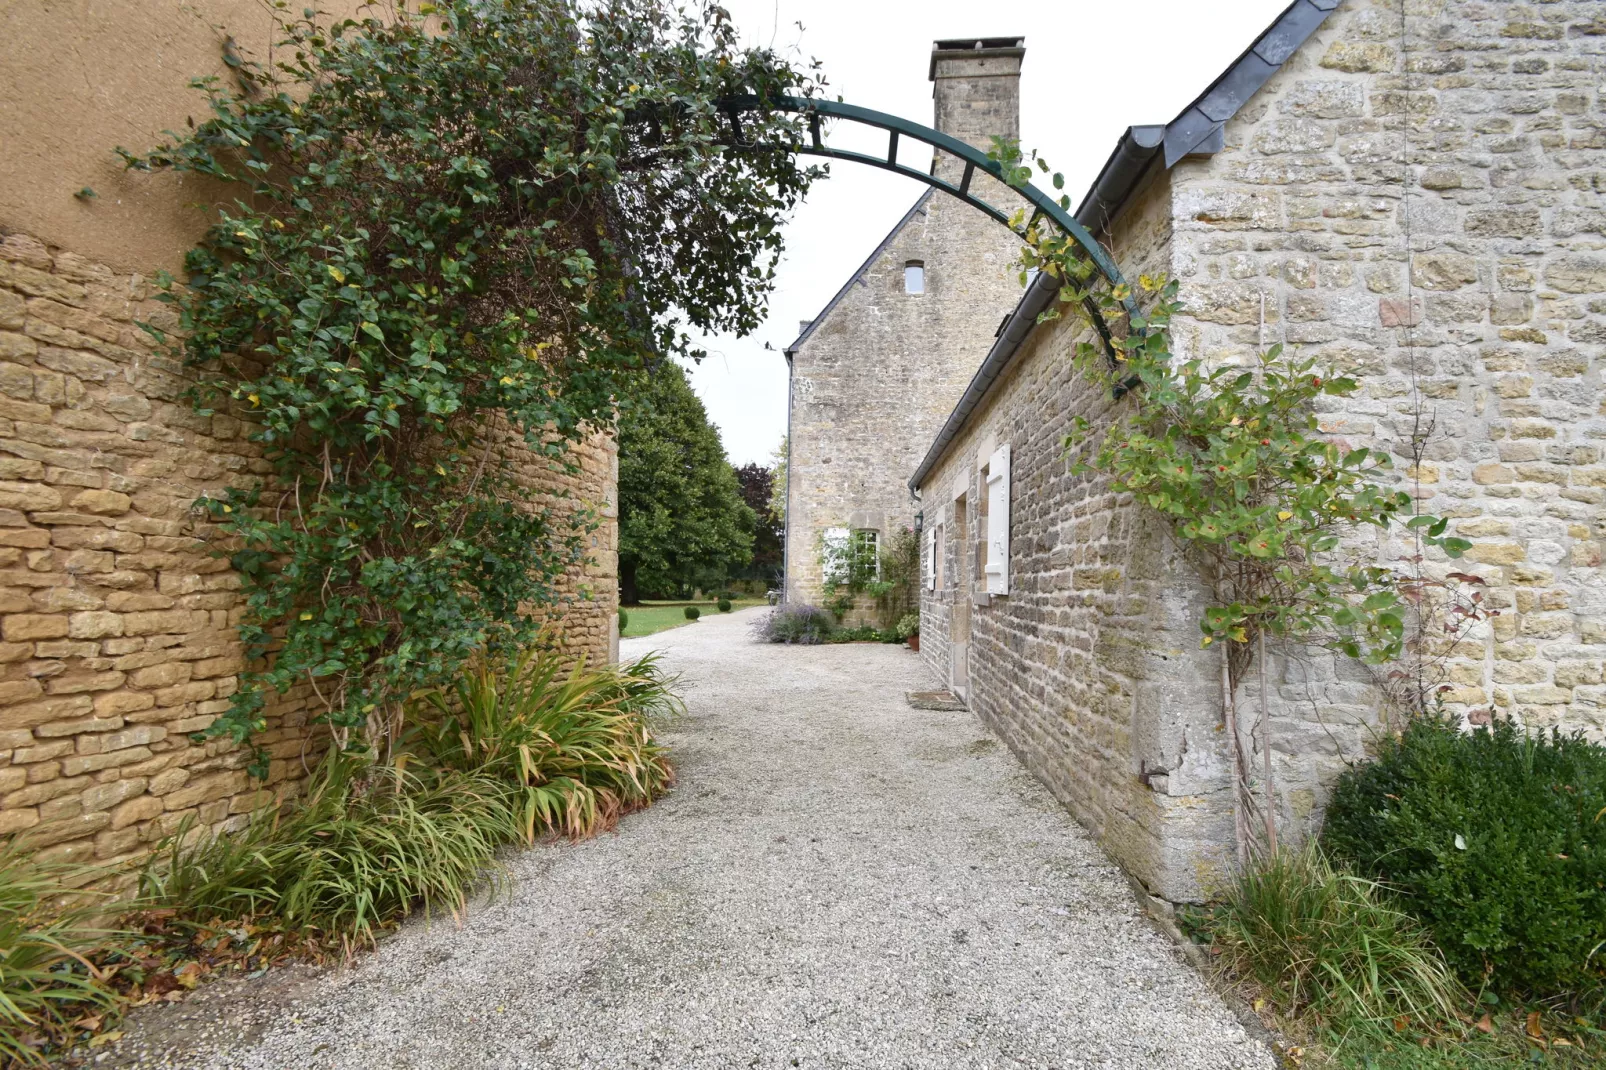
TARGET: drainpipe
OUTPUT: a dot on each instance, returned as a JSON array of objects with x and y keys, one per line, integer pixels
[{"x": 786, "y": 528}]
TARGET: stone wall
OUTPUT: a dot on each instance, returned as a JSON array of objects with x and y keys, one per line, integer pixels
[
  {"x": 117, "y": 622},
  {"x": 1419, "y": 203},
  {"x": 874, "y": 380},
  {"x": 1089, "y": 669}
]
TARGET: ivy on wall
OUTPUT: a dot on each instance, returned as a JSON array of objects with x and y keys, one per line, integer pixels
[
  {"x": 469, "y": 222},
  {"x": 1272, "y": 511}
]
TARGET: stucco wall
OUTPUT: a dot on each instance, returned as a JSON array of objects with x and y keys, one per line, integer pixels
[{"x": 79, "y": 78}]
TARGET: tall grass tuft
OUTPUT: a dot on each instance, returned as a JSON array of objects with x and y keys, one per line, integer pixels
[
  {"x": 574, "y": 743},
  {"x": 1322, "y": 941},
  {"x": 46, "y": 979},
  {"x": 369, "y": 844}
]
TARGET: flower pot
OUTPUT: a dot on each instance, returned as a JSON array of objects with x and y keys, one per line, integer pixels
[{"x": 914, "y": 642}]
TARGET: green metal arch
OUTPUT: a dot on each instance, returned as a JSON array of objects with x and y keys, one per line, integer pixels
[{"x": 1043, "y": 206}]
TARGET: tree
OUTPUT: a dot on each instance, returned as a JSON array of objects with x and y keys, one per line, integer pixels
[
  {"x": 758, "y": 491},
  {"x": 472, "y": 218},
  {"x": 777, "y": 504},
  {"x": 682, "y": 521}
]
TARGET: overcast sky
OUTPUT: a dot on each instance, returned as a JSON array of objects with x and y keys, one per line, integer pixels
[{"x": 1092, "y": 69}]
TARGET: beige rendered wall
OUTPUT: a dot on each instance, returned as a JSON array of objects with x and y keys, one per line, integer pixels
[
  {"x": 78, "y": 78},
  {"x": 117, "y": 622}
]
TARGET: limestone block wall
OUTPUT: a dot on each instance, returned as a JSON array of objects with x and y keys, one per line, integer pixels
[
  {"x": 874, "y": 380},
  {"x": 117, "y": 622},
  {"x": 1419, "y": 202},
  {"x": 1416, "y": 200},
  {"x": 1090, "y": 668}
]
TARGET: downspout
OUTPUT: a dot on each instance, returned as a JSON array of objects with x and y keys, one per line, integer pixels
[{"x": 786, "y": 528}]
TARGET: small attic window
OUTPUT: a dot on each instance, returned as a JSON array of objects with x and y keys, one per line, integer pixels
[{"x": 914, "y": 277}]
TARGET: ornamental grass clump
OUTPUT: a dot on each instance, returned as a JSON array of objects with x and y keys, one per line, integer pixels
[
  {"x": 796, "y": 623},
  {"x": 1496, "y": 839},
  {"x": 1330, "y": 944},
  {"x": 369, "y": 844},
  {"x": 47, "y": 983},
  {"x": 572, "y": 744}
]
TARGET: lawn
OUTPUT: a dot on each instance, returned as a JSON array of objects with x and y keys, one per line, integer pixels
[{"x": 650, "y": 617}]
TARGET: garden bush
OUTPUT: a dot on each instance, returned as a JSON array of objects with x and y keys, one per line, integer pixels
[
  {"x": 795, "y": 623},
  {"x": 908, "y": 624},
  {"x": 1329, "y": 943},
  {"x": 724, "y": 605},
  {"x": 46, "y": 983},
  {"x": 624, "y": 620},
  {"x": 573, "y": 743},
  {"x": 1496, "y": 839},
  {"x": 692, "y": 613}
]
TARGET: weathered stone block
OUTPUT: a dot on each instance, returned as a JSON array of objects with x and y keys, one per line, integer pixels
[{"x": 101, "y": 502}]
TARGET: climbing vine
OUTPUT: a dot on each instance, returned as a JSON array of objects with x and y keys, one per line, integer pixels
[
  {"x": 456, "y": 228},
  {"x": 1268, "y": 507}
]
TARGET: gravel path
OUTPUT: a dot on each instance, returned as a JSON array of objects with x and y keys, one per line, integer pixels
[{"x": 837, "y": 881}]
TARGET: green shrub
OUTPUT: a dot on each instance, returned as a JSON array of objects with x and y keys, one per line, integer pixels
[
  {"x": 573, "y": 743},
  {"x": 45, "y": 981},
  {"x": 369, "y": 844},
  {"x": 1495, "y": 839},
  {"x": 1329, "y": 943},
  {"x": 692, "y": 612},
  {"x": 624, "y": 620},
  {"x": 908, "y": 624},
  {"x": 724, "y": 605}
]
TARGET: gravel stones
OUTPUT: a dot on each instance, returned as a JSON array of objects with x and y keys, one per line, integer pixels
[{"x": 837, "y": 881}]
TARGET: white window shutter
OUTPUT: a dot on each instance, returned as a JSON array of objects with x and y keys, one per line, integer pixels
[
  {"x": 998, "y": 521},
  {"x": 930, "y": 555},
  {"x": 836, "y": 542}
]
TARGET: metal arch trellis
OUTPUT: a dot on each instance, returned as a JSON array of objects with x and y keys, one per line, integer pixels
[{"x": 1043, "y": 206}]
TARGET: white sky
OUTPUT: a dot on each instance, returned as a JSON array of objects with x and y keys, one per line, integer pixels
[{"x": 1092, "y": 69}]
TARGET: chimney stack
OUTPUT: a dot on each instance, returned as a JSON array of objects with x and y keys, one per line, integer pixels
[{"x": 976, "y": 88}]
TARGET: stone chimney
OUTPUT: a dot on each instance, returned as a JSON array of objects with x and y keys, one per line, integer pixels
[{"x": 976, "y": 88}]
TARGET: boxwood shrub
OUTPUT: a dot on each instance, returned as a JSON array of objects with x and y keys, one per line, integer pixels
[{"x": 1496, "y": 839}]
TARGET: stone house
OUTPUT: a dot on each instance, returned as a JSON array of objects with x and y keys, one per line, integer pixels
[
  {"x": 1412, "y": 191},
  {"x": 875, "y": 373},
  {"x": 117, "y": 622}
]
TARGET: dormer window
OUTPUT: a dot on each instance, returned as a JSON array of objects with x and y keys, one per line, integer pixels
[{"x": 914, "y": 277}]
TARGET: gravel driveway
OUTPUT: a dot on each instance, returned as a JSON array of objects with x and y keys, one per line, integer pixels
[{"x": 837, "y": 881}]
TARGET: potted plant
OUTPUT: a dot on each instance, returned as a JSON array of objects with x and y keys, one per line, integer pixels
[{"x": 909, "y": 630}]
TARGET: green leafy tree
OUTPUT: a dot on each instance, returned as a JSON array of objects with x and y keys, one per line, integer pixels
[
  {"x": 475, "y": 219},
  {"x": 758, "y": 491},
  {"x": 682, "y": 521}
]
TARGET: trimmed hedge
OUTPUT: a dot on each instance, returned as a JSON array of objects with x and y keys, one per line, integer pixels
[
  {"x": 1495, "y": 839},
  {"x": 692, "y": 612}
]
